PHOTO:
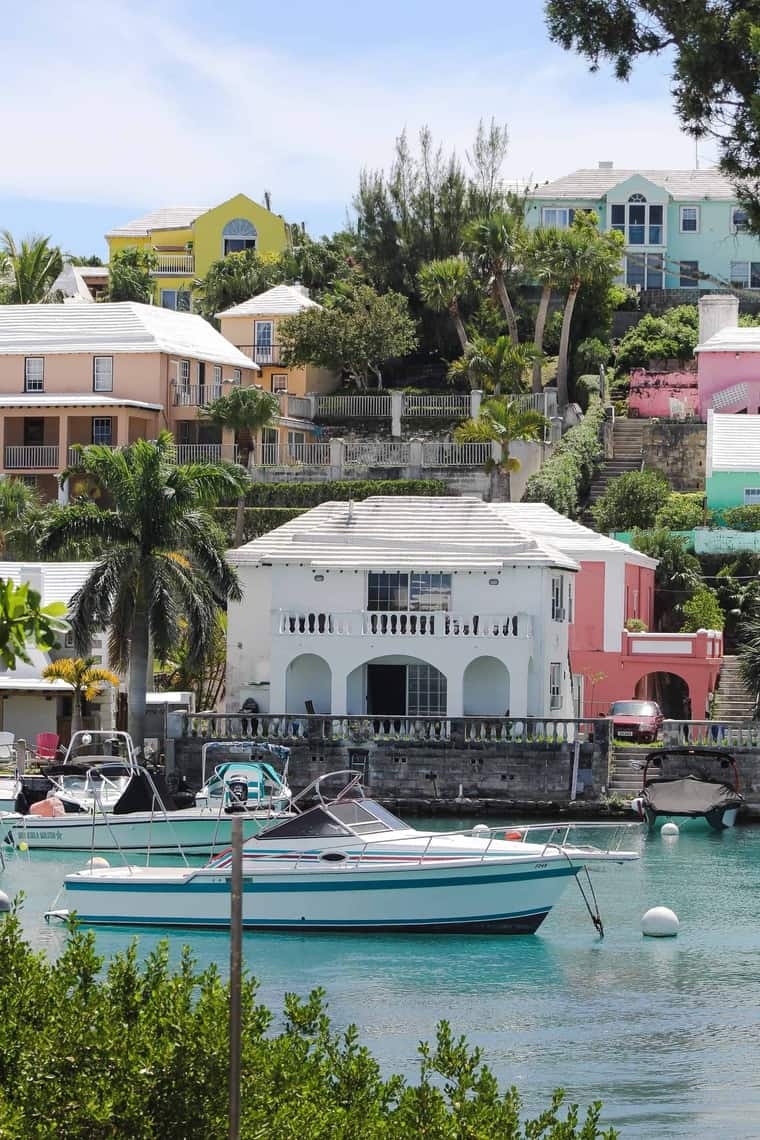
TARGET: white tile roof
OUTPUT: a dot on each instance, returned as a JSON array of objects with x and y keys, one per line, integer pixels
[
  {"x": 401, "y": 532},
  {"x": 40, "y": 400},
  {"x": 56, "y": 581},
  {"x": 71, "y": 283},
  {"x": 166, "y": 218},
  {"x": 280, "y": 301},
  {"x": 733, "y": 442},
  {"x": 682, "y": 185},
  {"x": 571, "y": 537},
  {"x": 732, "y": 340},
  {"x": 125, "y": 326}
]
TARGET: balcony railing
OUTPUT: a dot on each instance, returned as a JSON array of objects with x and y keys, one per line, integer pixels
[
  {"x": 262, "y": 353},
  {"x": 431, "y": 405},
  {"x": 293, "y": 455},
  {"x": 205, "y": 452},
  {"x": 365, "y": 406},
  {"x": 548, "y": 731},
  {"x": 33, "y": 457},
  {"x": 456, "y": 454},
  {"x": 402, "y": 623},
  {"x": 195, "y": 395},
  {"x": 174, "y": 264}
]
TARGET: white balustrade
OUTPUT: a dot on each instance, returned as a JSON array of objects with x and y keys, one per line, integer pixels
[
  {"x": 377, "y": 453},
  {"x": 444, "y": 454},
  {"x": 175, "y": 263},
  {"x": 31, "y": 456},
  {"x": 403, "y": 623}
]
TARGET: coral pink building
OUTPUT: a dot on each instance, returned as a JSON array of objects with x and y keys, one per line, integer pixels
[{"x": 615, "y": 586}]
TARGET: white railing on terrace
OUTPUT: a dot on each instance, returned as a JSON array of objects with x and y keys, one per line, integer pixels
[
  {"x": 33, "y": 456},
  {"x": 195, "y": 395},
  {"x": 294, "y": 454},
  {"x": 360, "y": 406},
  {"x": 175, "y": 263},
  {"x": 456, "y": 454},
  {"x": 445, "y": 405},
  {"x": 403, "y": 624},
  {"x": 204, "y": 452},
  {"x": 298, "y": 406},
  {"x": 483, "y": 729},
  {"x": 544, "y": 402},
  {"x": 377, "y": 453}
]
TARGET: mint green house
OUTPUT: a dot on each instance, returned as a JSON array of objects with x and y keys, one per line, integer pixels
[
  {"x": 684, "y": 229},
  {"x": 732, "y": 465}
]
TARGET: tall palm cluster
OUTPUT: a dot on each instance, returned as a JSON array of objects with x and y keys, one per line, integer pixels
[
  {"x": 28, "y": 270},
  {"x": 161, "y": 575}
]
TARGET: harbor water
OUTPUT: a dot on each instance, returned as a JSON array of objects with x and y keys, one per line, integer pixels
[{"x": 665, "y": 1032}]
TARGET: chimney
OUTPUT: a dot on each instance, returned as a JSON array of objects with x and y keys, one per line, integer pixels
[
  {"x": 606, "y": 165},
  {"x": 717, "y": 311}
]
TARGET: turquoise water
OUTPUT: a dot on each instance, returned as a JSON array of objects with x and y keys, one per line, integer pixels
[{"x": 665, "y": 1032}]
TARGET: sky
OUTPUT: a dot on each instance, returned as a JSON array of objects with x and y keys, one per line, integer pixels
[{"x": 114, "y": 107}]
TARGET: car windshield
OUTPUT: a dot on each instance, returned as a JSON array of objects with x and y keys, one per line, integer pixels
[{"x": 634, "y": 708}]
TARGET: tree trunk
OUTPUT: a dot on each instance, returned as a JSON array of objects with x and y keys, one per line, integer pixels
[
  {"x": 245, "y": 459},
  {"x": 538, "y": 335},
  {"x": 138, "y": 675},
  {"x": 506, "y": 305},
  {"x": 76, "y": 711},
  {"x": 459, "y": 326},
  {"x": 563, "y": 364}
]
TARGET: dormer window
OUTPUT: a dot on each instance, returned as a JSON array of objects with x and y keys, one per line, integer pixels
[{"x": 639, "y": 221}]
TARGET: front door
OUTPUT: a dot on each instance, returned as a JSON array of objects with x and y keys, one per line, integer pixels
[{"x": 386, "y": 690}]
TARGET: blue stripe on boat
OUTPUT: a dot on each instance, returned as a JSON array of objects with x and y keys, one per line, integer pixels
[{"x": 356, "y": 882}]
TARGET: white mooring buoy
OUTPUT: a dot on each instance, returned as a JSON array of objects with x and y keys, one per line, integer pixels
[
  {"x": 97, "y": 861},
  {"x": 669, "y": 828},
  {"x": 5, "y": 903},
  {"x": 660, "y": 922}
]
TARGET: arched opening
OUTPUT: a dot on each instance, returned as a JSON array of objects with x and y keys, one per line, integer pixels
[
  {"x": 486, "y": 688},
  {"x": 671, "y": 693},
  {"x": 308, "y": 685},
  {"x": 237, "y": 235},
  {"x": 396, "y": 686}
]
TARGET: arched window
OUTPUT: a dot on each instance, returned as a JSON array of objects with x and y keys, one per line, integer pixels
[
  {"x": 640, "y": 222},
  {"x": 637, "y": 198},
  {"x": 237, "y": 235}
]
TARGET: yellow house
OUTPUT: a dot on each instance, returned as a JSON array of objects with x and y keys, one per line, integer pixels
[{"x": 187, "y": 239}]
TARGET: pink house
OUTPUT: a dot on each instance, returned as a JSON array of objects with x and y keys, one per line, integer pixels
[
  {"x": 614, "y": 586},
  {"x": 729, "y": 363}
]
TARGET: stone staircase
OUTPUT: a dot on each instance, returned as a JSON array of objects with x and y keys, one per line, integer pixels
[
  {"x": 733, "y": 700},
  {"x": 626, "y": 769},
  {"x": 627, "y": 445}
]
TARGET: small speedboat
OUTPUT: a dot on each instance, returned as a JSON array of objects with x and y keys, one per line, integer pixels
[
  {"x": 244, "y": 780},
  {"x": 348, "y": 864},
  {"x": 103, "y": 800},
  {"x": 690, "y": 787}
]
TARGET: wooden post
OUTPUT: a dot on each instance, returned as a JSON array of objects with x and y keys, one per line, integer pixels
[{"x": 236, "y": 945}]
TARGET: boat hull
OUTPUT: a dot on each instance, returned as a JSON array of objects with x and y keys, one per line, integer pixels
[
  {"x": 194, "y": 833},
  {"x": 713, "y": 821},
  {"x": 488, "y": 896}
]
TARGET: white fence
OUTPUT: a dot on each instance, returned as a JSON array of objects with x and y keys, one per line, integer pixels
[
  {"x": 292, "y": 455},
  {"x": 33, "y": 456},
  {"x": 377, "y": 453},
  {"x": 445, "y": 454},
  {"x": 363, "y": 406},
  {"x": 446, "y": 405},
  {"x": 175, "y": 263}
]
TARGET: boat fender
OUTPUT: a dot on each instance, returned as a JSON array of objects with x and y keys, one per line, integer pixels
[
  {"x": 515, "y": 835},
  {"x": 659, "y": 922},
  {"x": 670, "y": 829}
]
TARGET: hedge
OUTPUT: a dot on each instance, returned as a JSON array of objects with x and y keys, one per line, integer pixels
[
  {"x": 258, "y": 520},
  {"x": 742, "y": 518},
  {"x": 566, "y": 476},
  {"x": 312, "y": 494}
]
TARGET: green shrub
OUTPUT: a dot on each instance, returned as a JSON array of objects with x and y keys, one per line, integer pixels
[
  {"x": 702, "y": 611},
  {"x": 312, "y": 494},
  {"x": 632, "y": 500},
  {"x": 565, "y": 477},
  {"x": 136, "y": 1050},
  {"x": 586, "y": 387},
  {"x": 742, "y": 518},
  {"x": 636, "y": 625},
  {"x": 682, "y": 511},
  {"x": 592, "y": 353},
  {"x": 258, "y": 520},
  {"x": 673, "y": 336}
]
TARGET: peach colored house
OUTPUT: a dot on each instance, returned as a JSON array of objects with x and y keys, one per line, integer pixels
[
  {"x": 615, "y": 585},
  {"x": 110, "y": 374}
]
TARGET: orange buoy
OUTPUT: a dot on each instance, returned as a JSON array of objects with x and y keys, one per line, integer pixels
[{"x": 513, "y": 835}]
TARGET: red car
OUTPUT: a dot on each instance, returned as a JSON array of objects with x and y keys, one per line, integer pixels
[{"x": 636, "y": 720}]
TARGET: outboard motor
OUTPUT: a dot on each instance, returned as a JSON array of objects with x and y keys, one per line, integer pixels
[{"x": 237, "y": 791}]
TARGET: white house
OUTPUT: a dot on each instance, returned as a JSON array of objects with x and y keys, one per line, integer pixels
[{"x": 402, "y": 606}]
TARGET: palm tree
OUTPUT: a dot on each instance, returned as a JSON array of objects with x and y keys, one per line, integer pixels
[
  {"x": 162, "y": 561},
  {"x": 32, "y": 267},
  {"x": 441, "y": 284},
  {"x": 542, "y": 252},
  {"x": 21, "y": 511},
  {"x": 584, "y": 256},
  {"x": 86, "y": 679},
  {"x": 502, "y": 420},
  {"x": 247, "y": 411},
  {"x": 496, "y": 244},
  {"x": 494, "y": 366}
]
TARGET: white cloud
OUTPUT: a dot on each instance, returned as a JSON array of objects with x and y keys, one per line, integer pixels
[{"x": 133, "y": 107}]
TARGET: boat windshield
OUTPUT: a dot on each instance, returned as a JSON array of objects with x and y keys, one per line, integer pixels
[
  {"x": 366, "y": 816},
  {"x": 313, "y": 824},
  {"x": 362, "y": 817}
]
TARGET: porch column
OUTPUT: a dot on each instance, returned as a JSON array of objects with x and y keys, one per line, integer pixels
[
  {"x": 338, "y": 691},
  {"x": 454, "y": 691},
  {"x": 121, "y": 436},
  {"x": 476, "y": 399},
  {"x": 337, "y": 457},
  {"x": 397, "y": 400},
  {"x": 228, "y": 446},
  {"x": 63, "y": 446}
]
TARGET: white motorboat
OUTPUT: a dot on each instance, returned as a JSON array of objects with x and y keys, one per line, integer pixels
[
  {"x": 348, "y": 864},
  {"x": 241, "y": 782},
  {"x": 108, "y": 802}
]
